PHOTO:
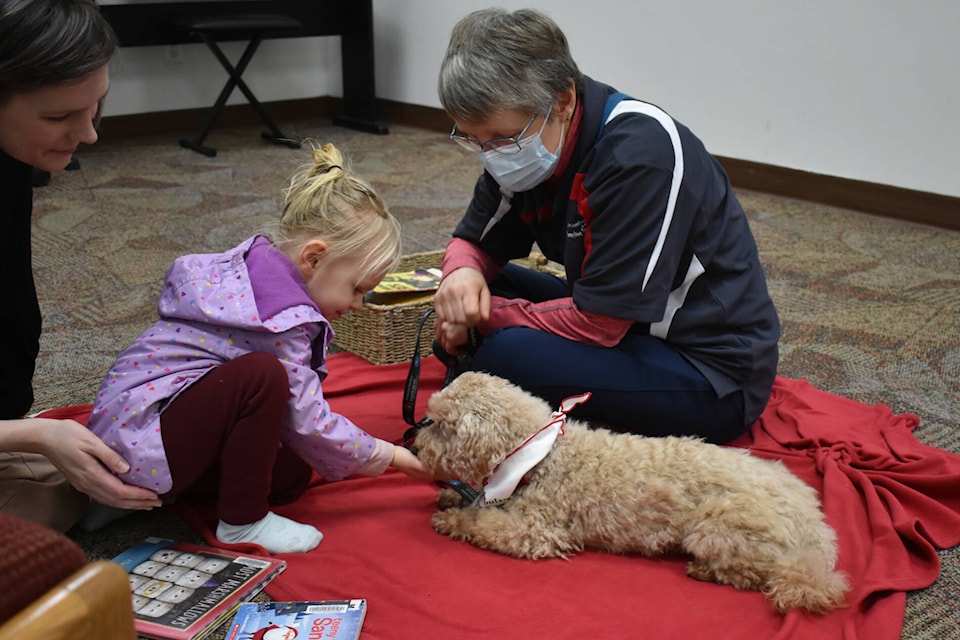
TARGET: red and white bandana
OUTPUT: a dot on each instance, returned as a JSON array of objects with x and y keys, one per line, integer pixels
[{"x": 508, "y": 474}]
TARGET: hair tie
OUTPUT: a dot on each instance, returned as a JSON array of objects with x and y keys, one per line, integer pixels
[{"x": 332, "y": 167}]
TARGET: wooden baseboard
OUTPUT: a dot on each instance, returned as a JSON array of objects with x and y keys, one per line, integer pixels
[
  {"x": 412, "y": 115},
  {"x": 879, "y": 199},
  {"x": 867, "y": 197},
  {"x": 186, "y": 121}
]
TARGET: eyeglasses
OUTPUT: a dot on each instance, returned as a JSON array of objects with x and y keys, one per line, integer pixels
[{"x": 502, "y": 145}]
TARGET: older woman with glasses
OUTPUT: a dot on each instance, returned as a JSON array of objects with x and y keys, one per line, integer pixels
[{"x": 664, "y": 313}]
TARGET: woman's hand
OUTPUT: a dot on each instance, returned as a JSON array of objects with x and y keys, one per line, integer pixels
[
  {"x": 463, "y": 298},
  {"x": 405, "y": 461},
  {"x": 452, "y": 337},
  {"x": 461, "y": 302},
  {"x": 87, "y": 464}
]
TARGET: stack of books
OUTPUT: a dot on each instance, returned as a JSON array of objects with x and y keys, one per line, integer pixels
[{"x": 184, "y": 591}]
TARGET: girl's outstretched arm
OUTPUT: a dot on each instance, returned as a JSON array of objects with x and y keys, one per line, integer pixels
[{"x": 405, "y": 461}]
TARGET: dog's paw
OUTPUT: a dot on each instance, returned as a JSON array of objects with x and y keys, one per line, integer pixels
[
  {"x": 446, "y": 522},
  {"x": 448, "y": 499},
  {"x": 701, "y": 571}
]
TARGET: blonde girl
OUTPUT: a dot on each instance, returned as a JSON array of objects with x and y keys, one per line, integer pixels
[{"x": 223, "y": 395}]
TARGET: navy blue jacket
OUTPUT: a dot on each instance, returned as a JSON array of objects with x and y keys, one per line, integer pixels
[{"x": 648, "y": 228}]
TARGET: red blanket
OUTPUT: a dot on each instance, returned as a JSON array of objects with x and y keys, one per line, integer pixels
[{"x": 892, "y": 500}]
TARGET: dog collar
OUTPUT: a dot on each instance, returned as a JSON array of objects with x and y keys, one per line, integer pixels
[{"x": 509, "y": 473}]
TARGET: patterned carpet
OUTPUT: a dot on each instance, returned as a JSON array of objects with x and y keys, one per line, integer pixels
[{"x": 869, "y": 305}]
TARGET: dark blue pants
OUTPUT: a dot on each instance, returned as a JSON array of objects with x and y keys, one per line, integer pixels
[{"x": 643, "y": 385}]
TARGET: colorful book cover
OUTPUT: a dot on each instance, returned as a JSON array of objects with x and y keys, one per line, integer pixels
[
  {"x": 320, "y": 619},
  {"x": 422, "y": 279},
  {"x": 183, "y": 591}
]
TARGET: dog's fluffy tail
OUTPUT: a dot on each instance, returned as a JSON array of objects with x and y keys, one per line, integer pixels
[{"x": 805, "y": 581}]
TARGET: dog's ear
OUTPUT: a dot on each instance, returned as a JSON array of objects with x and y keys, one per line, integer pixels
[{"x": 479, "y": 444}]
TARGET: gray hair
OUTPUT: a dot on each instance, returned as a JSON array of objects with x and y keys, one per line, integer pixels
[
  {"x": 50, "y": 42},
  {"x": 497, "y": 60}
]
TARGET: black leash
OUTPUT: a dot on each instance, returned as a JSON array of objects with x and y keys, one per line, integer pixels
[{"x": 410, "y": 389}]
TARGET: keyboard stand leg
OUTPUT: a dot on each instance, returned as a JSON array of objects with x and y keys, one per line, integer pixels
[{"x": 196, "y": 142}]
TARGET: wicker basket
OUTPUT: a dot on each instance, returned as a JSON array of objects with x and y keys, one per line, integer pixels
[{"x": 387, "y": 333}]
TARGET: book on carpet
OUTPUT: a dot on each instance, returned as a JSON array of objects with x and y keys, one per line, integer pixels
[
  {"x": 184, "y": 591},
  {"x": 321, "y": 619}
]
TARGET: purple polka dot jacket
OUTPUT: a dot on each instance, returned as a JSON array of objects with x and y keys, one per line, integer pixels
[{"x": 216, "y": 307}]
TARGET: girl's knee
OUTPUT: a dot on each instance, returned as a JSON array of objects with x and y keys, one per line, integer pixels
[{"x": 265, "y": 370}]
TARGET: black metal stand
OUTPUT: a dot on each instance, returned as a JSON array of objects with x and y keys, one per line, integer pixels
[
  {"x": 205, "y": 28},
  {"x": 140, "y": 24}
]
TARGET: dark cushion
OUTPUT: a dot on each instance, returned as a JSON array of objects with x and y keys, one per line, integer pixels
[{"x": 33, "y": 559}]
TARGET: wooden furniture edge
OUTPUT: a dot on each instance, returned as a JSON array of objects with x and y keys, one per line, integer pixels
[{"x": 93, "y": 602}]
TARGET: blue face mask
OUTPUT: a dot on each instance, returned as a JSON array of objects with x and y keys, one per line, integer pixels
[{"x": 528, "y": 167}]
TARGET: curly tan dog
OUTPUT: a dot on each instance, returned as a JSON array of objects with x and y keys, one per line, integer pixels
[{"x": 746, "y": 522}]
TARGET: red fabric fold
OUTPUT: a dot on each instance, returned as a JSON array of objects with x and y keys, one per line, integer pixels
[{"x": 892, "y": 500}]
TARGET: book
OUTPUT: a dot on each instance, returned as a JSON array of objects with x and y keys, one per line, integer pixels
[
  {"x": 422, "y": 279},
  {"x": 184, "y": 591},
  {"x": 405, "y": 287},
  {"x": 320, "y": 619}
]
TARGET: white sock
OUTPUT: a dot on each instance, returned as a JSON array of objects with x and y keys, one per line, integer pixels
[{"x": 274, "y": 533}]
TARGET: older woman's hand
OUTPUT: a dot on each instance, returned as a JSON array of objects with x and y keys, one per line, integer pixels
[
  {"x": 463, "y": 298},
  {"x": 461, "y": 302},
  {"x": 452, "y": 337}
]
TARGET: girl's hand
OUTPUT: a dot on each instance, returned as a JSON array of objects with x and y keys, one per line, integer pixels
[{"x": 405, "y": 461}]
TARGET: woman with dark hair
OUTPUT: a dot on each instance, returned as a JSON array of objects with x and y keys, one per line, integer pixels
[
  {"x": 663, "y": 313},
  {"x": 54, "y": 57}
]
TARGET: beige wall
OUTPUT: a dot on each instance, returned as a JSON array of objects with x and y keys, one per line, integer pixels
[{"x": 860, "y": 89}]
